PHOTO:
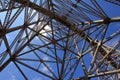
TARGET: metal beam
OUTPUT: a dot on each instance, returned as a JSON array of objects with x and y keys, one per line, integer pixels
[
  {"x": 69, "y": 25},
  {"x": 99, "y": 74},
  {"x": 66, "y": 23},
  {"x": 116, "y": 2},
  {"x": 6, "y": 31},
  {"x": 115, "y": 19}
]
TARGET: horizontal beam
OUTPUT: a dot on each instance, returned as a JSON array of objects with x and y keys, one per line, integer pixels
[
  {"x": 99, "y": 74},
  {"x": 6, "y": 31},
  {"x": 115, "y": 19},
  {"x": 104, "y": 73}
]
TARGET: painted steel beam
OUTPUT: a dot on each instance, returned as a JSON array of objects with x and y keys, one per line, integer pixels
[
  {"x": 64, "y": 22},
  {"x": 115, "y": 19},
  {"x": 99, "y": 74},
  {"x": 6, "y": 31},
  {"x": 68, "y": 24}
]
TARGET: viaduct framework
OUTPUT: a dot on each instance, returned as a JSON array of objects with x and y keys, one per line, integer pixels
[{"x": 72, "y": 34}]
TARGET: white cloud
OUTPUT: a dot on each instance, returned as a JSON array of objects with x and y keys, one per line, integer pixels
[
  {"x": 46, "y": 30},
  {"x": 37, "y": 78},
  {"x": 13, "y": 77},
  {"x": 45, "y": 57},
  {"x": 8, "y": 37},
  {"x": 44, "y": 68}
]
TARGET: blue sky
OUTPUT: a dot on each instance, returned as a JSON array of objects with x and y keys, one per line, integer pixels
[{"x": 47, "y": 53}]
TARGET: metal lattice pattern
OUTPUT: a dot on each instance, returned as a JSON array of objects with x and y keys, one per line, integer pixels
[{"x": 68, "y": 38}]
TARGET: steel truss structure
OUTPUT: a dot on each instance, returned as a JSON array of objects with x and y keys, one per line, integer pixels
[{"x": 69, "y": 38}]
